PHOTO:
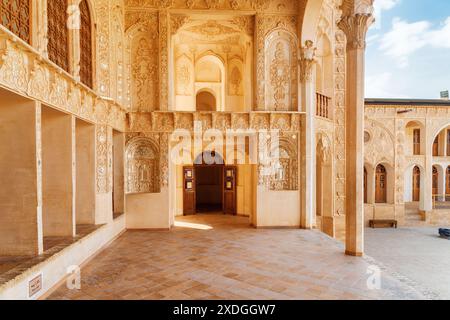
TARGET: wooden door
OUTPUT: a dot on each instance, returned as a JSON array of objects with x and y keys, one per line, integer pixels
[
  {"x": 365, "y": 185},
  {"x": 380, "y": 185},
  {"x": 447, "y": 184},
  {"x": 189, "y": 196},
  {"x": 435, "y": 181},
  {"x": 448, "y": 143},
  {"x": 229, "y": 190},
  {"x": 436, "y": 147},
  {"x": 416, "y": 184}
]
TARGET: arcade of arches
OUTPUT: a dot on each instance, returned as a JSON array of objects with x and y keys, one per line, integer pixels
[
  {"x": 91, "y": 110},
  {"x": 407, "y": 161}
]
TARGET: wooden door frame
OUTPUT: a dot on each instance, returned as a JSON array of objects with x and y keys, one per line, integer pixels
[
  {"x": 435, "y": 174},
  {"x": 365, "y": 186},
  {"x": 447, "y": 181},
  {"x": 235, "y": 170},
  {"x": 414, "y": 182},
  {"x": 193, "y": 181},
  {"x": 377, "y": 185}
]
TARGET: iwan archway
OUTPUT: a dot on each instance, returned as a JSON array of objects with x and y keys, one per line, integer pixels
[{"x": 209, "y": 186}]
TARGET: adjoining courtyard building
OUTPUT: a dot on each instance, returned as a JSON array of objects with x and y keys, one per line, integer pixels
[
  {"x": 407, "y": 161},
  {"x": 96, "y": 96}
]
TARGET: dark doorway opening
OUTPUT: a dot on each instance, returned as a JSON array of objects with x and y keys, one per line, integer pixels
[{"x": 209, "y": 188}]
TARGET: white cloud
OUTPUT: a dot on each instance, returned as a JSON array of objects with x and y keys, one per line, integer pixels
[
  {"x": 441, "y": 38},
  {"x": 404, "y": 39},
  {"x": 380, "y": 86},
  {"x": 385, "y": 4},
  {"x": 379, "y": 7},
  {"x": 372, "y": 39}
]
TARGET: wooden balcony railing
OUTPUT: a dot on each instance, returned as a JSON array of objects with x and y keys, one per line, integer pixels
[{"x": 323, "y": 104}]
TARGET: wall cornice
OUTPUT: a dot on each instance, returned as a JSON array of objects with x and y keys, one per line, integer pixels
[{"x": 169, "y": 121}]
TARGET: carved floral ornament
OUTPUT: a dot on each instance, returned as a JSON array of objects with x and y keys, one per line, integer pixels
[
  {"x": 258, "y": 5},
  {"x": 280, "y": 76}
]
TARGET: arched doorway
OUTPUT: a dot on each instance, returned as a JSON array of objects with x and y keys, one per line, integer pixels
[
  {"x": 436, "y": 147},
  {"x": 210, "y": 186},
  {"x": 365, "y": 185},
  {"x": 447, "y": 183},
  {"x": 416, "y": 184},
  {"x": 206, "y": 101},
  {"x": 381, "y": 184},
  {"x": 435, "y": 181}
]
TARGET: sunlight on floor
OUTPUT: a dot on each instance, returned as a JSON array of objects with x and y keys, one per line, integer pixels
[{"x": 182, "y": 224}]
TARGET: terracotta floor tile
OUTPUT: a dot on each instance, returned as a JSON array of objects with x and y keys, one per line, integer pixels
[{"x": 231, "y": 261}]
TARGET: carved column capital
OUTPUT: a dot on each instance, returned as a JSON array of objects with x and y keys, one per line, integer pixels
[
  {"x": 307, "y": 61},
  {"x": 355, "y": 28}
]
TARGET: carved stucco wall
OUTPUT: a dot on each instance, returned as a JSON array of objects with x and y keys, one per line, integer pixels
[
  {"x": 149, "y": 149},
  {"x": 339, "y": 114},
  {"x": 142, "y": 166},
  {"x": 142, "y": 61},
  {"x": 275, "y": 42},
  {"x": 281, "y": 81}
]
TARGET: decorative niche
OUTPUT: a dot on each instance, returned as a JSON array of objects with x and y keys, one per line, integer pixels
[{"x": 142, "y": 166}]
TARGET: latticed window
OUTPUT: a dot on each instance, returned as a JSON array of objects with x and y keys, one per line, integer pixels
[
  {"x": 15, "y": 15},
  {"x": 85, "y": 45},
  {"x": 58, "y": 35}
]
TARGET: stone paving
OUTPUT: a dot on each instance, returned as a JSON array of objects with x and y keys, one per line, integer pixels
[
  {"x": 418, "y": 254},
  {"x": 221, "y": 257},
  {"x": 11, "y": 267}
]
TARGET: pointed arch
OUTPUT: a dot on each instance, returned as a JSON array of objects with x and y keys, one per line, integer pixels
[{"x": 142, "y": 166}]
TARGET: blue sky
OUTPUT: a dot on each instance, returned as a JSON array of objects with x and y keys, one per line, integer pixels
[{"x": 408, "y": 51}]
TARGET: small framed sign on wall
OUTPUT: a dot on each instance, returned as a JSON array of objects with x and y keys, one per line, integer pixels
[{"x": 35, "y": 285}]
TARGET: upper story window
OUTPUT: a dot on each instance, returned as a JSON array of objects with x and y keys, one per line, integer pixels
[
  {"x": 416, "y": 142},
  {"x": 436, "y": 147},
  {"x": 448, "y": 143},
  {"x": 86, "y": 67},
  {"x": 58, "y": 36},
  {"x": 15, "y": 15}
]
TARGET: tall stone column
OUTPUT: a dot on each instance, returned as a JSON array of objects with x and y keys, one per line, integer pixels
[
  {"x": 308, "y": 144},
  {"x": 355, "y": 26},
  {"x": 426, "y": 188}
]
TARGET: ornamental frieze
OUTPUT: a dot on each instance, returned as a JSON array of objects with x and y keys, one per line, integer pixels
[
  {"x": 27, "y": 72},
  {"x": 167, "y": 122},
  {"x": 283, "y": 6}
]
